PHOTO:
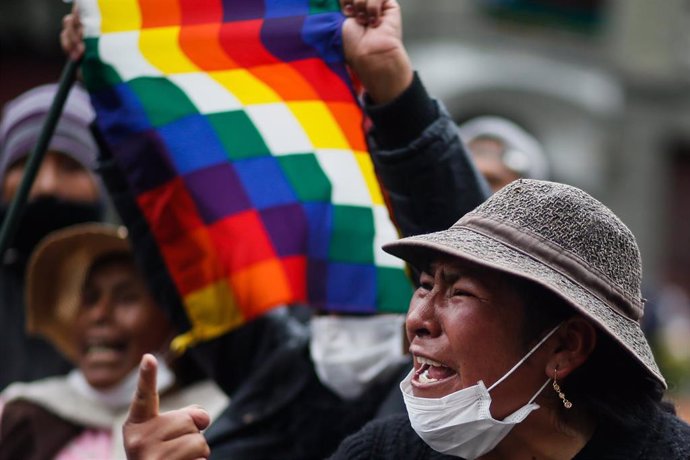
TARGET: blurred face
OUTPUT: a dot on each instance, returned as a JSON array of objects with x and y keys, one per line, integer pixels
[
  {"x": 487, "y": 155},
  {"x": 59, "y": 176},
  {"x": 117, "y": 323},
  {"x": 465, "y": 324}
]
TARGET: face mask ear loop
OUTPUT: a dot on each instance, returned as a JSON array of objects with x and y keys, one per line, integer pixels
[
  {"x": 519, "y": 363},
  {"x": 539, "y": 391}
]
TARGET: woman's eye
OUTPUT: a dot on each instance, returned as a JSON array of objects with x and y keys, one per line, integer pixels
[
  {"x": 426, "y": 282},
  {"x": 461, "y": 293},
  {"x": 69, "y": 165},
  {"x": 128, "y": 296},
  {"x": 131, "y": 298}
]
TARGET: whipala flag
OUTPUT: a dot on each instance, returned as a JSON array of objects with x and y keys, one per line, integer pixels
[{"x": 237, "y": 128}]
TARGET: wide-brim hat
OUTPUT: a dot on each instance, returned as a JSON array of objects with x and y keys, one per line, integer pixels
[
  {"x": 562, "y": 239},
  {"x": 56, "y": 274}
]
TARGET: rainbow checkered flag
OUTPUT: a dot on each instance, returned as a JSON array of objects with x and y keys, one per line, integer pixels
[{"x": 238, "y": 130}]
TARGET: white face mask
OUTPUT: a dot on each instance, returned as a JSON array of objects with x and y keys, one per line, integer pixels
[
  {"x": 350, "y": 353},
  {"x": 460, "y": 423}
]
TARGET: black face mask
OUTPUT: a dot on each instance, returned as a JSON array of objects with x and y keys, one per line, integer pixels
[{"x": 46, "y": 214}]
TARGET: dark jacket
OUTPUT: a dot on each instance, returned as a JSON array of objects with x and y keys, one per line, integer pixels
[
  {"x": 284, "y": 412},
  {"x": 665, "y": 437},
  {"x": 426, "y": 171}
]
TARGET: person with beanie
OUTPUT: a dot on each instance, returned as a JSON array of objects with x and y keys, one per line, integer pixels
[{"x": 66, "y": 191}]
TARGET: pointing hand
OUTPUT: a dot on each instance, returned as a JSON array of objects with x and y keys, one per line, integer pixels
[{"x": 174, "y": 435}]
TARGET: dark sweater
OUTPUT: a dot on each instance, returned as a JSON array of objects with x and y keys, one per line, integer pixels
[{"x": 666, "y": 437}]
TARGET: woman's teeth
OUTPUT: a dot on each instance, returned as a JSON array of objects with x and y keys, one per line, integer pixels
[
  {"x": 427, "y": 364},
  {"x": 430, "y": 362},
  {"x": 424, "y": 377}
]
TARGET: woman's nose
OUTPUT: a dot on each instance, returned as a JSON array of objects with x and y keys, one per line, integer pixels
[
  {"x": 421, "y": 317},
  {"x": 100, "y": 311}
]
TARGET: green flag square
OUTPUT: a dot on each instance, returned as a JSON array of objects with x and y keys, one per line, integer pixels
[
  {"x": 394, "y": 290},
  {"x": 353, "y": 235},
  {"x": 306, "y": 177},
  {"x": 323, "y": 6},
  {"x": 163, "y": 102},
  {"x": 238, "y": 135},
  {"x": 97, "y": 74}
]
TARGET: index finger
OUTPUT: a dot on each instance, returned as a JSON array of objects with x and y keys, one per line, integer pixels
[
  {"x": 75, "y": 13},
  {"x": 145, "y": 403}
]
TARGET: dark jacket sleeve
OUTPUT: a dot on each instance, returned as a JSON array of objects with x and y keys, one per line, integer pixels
[{"x": 429, "y": 178}]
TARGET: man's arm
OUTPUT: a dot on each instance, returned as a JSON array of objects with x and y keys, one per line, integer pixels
[
  {"x": 419, "y": 158},
  {"x": 430, "y": 179}
]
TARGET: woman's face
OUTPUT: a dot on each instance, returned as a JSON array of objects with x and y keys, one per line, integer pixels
[
  {"x": 116, "y": 324},
  {"x": 465, "y": 325}
]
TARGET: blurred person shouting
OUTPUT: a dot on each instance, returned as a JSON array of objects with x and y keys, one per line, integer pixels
[
  {"x": 65, "y": 192},
  {"x": 85, "y": 294}
]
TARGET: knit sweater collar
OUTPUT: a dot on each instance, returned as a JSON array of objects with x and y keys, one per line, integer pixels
[{"x": 615, "y": 443}]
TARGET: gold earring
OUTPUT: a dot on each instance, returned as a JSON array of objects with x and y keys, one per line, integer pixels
[{"x": 567, "y": 404}]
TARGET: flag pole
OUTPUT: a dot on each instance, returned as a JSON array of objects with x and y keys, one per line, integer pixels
[{"x": 9, "y": 225}]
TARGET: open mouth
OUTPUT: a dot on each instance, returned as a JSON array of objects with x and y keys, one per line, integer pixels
[
  {"x": 104, "y": 350},
  {"x": 431, "y": 372}
]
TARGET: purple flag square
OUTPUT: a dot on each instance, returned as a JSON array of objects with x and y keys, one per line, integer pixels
[
  {"x": 217, "y": 192},
  {"x": 288, "y": 229},
  {"x": 283, "y": 38},
  {"x": 317, "y": 276},
  {"x": 144, "y": 160},
  {"x": 241, "y": 10}
]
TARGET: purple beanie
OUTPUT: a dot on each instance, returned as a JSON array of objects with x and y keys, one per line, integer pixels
[{"x": 23, "y": 117}]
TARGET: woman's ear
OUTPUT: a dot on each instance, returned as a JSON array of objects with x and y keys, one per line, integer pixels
[{"x": 576, "y": 339}]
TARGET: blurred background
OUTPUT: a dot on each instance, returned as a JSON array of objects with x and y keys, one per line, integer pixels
[{"x": 604, "y": 85}]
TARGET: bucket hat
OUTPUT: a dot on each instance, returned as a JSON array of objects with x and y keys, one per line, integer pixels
[
  {"x": 561, "y": 238},
  {"x": 56, "y": 274}
]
